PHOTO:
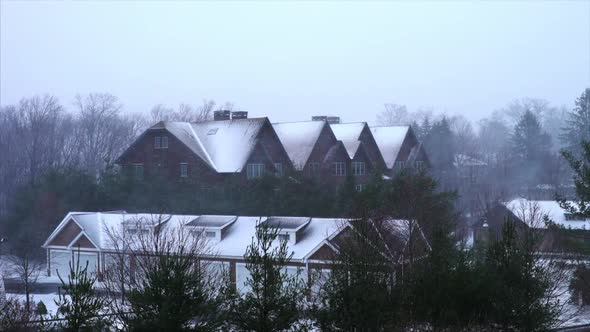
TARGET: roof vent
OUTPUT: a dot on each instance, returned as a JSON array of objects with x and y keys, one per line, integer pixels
[
  {"x": 239, "y": 115},
  {"x": 330, "y": 119},
  {"x": 221, "y": 115}
]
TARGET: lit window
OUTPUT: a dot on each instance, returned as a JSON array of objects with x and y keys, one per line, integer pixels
[
  {"x": 254, "y": 171},
  {"x": 164, "y": 142},
  {"x": 157, "y": 142},
  {"x": 278, "y": 169},
  {"x": 183, "y": 170},
  {"x": 314, "y": 168},
  {"x": 284, "y": 237},
  {"x": 138, "y": 171},
  {"x": 338, "y": 169},
  {"x": 358, "y": 168}
]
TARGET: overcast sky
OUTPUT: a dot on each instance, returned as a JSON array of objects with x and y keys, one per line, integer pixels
[{"x": 291, "y": 60}]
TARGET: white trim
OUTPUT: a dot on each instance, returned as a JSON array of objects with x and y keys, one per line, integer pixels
[
  {"x": 61, "y": 225},
  {"x": 70, "y": 246}
]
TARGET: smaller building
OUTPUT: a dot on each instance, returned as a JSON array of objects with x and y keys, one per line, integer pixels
[
  {"x": 98, "y": 238},
  {"x": 558, "y": 230}
]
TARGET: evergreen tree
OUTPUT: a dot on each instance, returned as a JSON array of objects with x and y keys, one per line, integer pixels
[
  {"x": 78, "y": 303},
  {"x": 359, "y": 293},
  {"x": 581, "y": 168},
  {"x": 274, "y": 297},
  {"x": 440, "y": 146},
  {"x": 577, "y": 127},
  {"x": 172, "y": 290},
  {"x": 529, "y": 142},
  {"x": 519, "y": 282}
]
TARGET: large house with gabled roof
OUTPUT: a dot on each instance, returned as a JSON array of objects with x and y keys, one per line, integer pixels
[
  {"x": 207, "y": 152},
  {"x": 245, "y": 148}
]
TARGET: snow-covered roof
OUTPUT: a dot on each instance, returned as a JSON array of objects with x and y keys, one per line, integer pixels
[
  {"x": 349, "y": 134},
  {"x": 465, "y": 160},
  {"x": 389, "y": 140},
  {"x": 533, "y": 212},
  {"x": 299, "y": 139},
  {"x": 224, "y": 145},
  {"x": 239, "y": 231}
]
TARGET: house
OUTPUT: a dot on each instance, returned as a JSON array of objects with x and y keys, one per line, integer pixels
[
  {"x": 558, "y": 230},
  {"x": 469, "y": 169},
  {"x": 207, "y": 152},
  {"x": 99, "y": 237},
  {"x": 362, "y": 150},
  {"x": 314, "y": 150},
  {"x": 400, "y": 148}
]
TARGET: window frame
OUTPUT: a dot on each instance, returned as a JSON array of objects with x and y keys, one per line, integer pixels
[
  {"x": 138, "y": 175},
  {"x": 184, "y": 170},
  {"x": 279, "y": 171},
  {"x": 157, "y": 142},
  {"x": 358, "y": 168},
  {"x": 314, "y": 168},
  {"x": 338, "y": 168},
  {"x": 254, "y": 171},
  {"x": 164, "y": 144}
]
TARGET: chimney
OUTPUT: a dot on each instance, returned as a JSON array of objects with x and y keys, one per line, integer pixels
[
  {"x": 239, "y": 115},
  {"x": 221, "y": 115},
  {"x": 330, "y": 119}
]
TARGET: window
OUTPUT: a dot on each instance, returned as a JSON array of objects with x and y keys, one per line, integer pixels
[
  {"x": 358, "y": 168},
  {"x": 183, "y": 170},
  {"x": 161, "y": 142},
  {"x": 138, "y": 171},
  {"x": 338, "y": 169},
  {"x": 574, "y": 217},
  {"x": 359, "y": 187},
  {"x": 254, "y": 171},
  {"x": 278, "y": 169},
  {"x": 400, "y": 164},
  {"x": 210, "y": 235},
  {"x": 314, "y": 168},
  {"x": 284, "y": 237},
  {"x": 419, "y": 164}
]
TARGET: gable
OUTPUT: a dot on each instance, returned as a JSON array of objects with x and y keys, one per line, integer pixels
[
  {"x": 300, "y": 139},
  {"x": 83, "y": 242},
  {"x": 371, "y": 147},
  {"x": 324, "y": 253},
  {"x": 66, "y": 235}
]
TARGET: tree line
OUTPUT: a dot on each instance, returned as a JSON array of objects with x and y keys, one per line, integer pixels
[{"x": 497, "y": 285}]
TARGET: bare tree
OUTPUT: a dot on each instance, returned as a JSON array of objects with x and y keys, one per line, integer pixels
[
  {"x": 102, "y": 131},
  {"x": 28, "y": 270},
  {"x": 186, "y": 112}
]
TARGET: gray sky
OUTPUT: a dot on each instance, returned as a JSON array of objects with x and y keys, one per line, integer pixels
[{"x": 292, "y": 60}]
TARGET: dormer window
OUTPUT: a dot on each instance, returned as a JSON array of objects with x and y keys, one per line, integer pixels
[
  {"x": 574, "y": 217},
  {"x": 210, "y": 234},
  {"x": 284, "y": 237}
]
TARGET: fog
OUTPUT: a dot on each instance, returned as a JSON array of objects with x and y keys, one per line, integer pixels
[{"x": 289, "y": 61}]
